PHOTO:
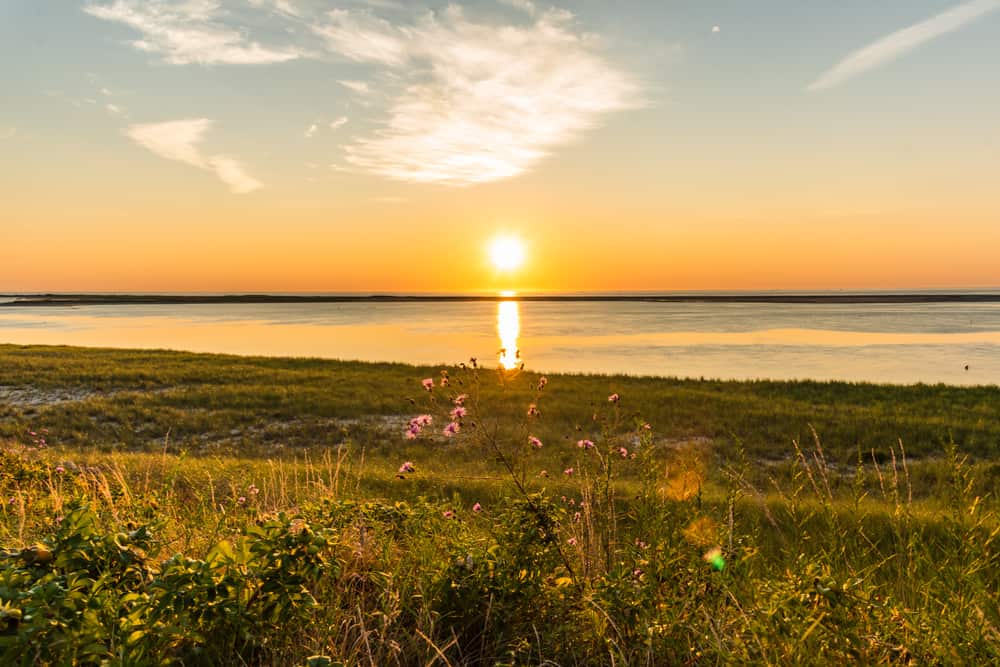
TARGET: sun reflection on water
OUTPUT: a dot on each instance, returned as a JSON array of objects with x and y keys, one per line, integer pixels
[{"x": 509, "y": 328}]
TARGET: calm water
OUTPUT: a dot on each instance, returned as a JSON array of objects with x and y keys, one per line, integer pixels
[{"x": 879, "y": 343}]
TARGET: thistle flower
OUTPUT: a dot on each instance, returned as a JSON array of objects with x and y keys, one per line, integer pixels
[
  {"x": 585, "y": 444},
  {"x": 60, "y": 469},
  {"x": 451, "y": 429},
  {"x": 571, "y": 541},
  {"x": 623, "y": 452},
  {"x": 477, "y": 508},
  {"x": 421, "y": 421},
  {"x": 253, "y": 490},
  {"x": 448, "y": 514},
  {"x": 568, "y": 471},
  {"x": 457, "y": 413},
  {"x": 428, "y": 383},
  {"x": 614, "y": 398},
  {"x": 241, "y": 500},
  {"x": 460, "y": 399},
  {"x": 406, "y": 467},
  {"x": 534, "y": 442},
  {"x": 411, "y": 433}
]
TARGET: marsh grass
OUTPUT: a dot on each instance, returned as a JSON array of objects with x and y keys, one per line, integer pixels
[{"x": 202, "y": 509}]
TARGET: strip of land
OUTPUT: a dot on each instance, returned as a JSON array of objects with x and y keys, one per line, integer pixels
[{"x": 62, "y": 300}]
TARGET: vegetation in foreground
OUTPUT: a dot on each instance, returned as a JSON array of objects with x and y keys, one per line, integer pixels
[{"x": 196, "y": 509}]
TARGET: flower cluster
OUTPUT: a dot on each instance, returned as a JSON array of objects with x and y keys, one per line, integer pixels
[{"x": 416, "y": 424}]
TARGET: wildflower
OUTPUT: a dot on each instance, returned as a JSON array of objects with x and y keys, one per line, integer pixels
[
  {"x": 406, "y": 467},
  {"x": 253, "y": 490},
  {"x": 585, "y": 444},
  {"x": 647, "y": 427},
  {"x": 571, "y": 541},
  {"x": 477, "y": 508},
  {"x": 534, "y": 442},
  {"x": 614, "y": 398},
  {"x": 411, "y": 433},
  {"x": 636, "y": 573},
  {"x": 60, "y": 469},
  {"x": 533, "y": 410},
  {"x": 428, "y": 383},
  {"x": 568, "y": 471},
  {"x": 32, "y": 434},
  {"x": 542, "y": 381},
  {"x": 451, "y": 429},
  {"x": 444, "y": 381},
  {"x": 576, "y": 517},
  {"x": 460, "y": 399},
  {"x": 458, "y": 412},
  {"x": 421, "y": 420},
  {"x": 241, "y": 500},
  {"x": 448, "y": 514},
  {"x": 623, "y": 452}
]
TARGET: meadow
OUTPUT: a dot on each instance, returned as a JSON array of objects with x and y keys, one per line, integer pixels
[{"x": 173, "y": 508}]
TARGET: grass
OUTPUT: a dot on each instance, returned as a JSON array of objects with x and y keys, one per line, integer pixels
[{"x": 211, "y": 509}]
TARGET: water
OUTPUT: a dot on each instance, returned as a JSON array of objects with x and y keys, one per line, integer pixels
[{"x": 897, "y": 343}]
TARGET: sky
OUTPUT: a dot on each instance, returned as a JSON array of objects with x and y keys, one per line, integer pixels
[{"x": 380, "y": 145}]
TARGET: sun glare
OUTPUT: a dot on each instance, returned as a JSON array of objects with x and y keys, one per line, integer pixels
[{"x": 506, "y": 253}]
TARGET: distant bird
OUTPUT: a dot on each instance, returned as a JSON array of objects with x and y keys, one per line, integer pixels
[{"x": 967, "y": 367}]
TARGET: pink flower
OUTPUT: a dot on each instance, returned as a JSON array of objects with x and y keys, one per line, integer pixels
[
  {"x": 421, "y": 420},
  {"x": 60, "y": 469},
  {"x": 623, "y": 452},
  {"x": 533, "y": 410},
  {"x": 411, "y": 433},
  {"x": 542, "y": 381},
  {"x": 460, "y": 399},
  {"x": 241, "y": 500},
  {"x": 585, "y": 444},
  {"x": 458, "y": 412},
  {"x": 451, "y": 429},
  {"x": 32, "y": 434},
  {"x": 448, "y": 514},
  {"x": 647, "y": 427},
  {"x": 406, "y": 467},
  {"x": 444, "y": 382},
  {"x": 477, "y": 508},
  {"x": 253, "y": 490},
  {"x": 614, "y": 398},
  {"x": 576, "y": 517},
  {"x": 568, "y": 471},
  {"x": 428, "y": 383},
  {"x": 571, "y": 541},
  {"x": 534, "y": 442}
]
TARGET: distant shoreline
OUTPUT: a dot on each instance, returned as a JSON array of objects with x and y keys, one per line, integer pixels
[{"x": 63, "y": 300}]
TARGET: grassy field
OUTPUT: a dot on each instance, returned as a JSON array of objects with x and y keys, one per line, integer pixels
[{"x": 163, "y": 507}]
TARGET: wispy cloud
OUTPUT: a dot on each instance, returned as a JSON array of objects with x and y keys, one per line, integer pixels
[
  {"x": 113, "y": 108},
  {"x": 179, "y": 140},
  {"x": 310, "y": 131},
  {"x": 898, "y": 43},
  {"x": 360, "y": 87},
  {"x": 338, "y": 123},
  {"x": 526, "y": 6},
  {"x": 475, "y": 102},
  {"x": 189, "y": 31}
]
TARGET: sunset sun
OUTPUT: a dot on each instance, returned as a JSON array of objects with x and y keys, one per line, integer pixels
[{"x": 506, "y": 253}]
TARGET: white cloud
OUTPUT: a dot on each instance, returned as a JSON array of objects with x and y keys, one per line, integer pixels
[
  {"x": 179, "y": 139},
  {"x": 898, "y": 43},
  {"x": 338, "y": 123},
  {"x": 716, "y": 28},
  {"x": 113, "y": 108},
  {"x": 310, "y": 131},
  {"x": 360, "y": 87},
  {"x": 189, "y": 31},
  {"x": 525, "y": 6},
  {"x": 476, "y": 102}
]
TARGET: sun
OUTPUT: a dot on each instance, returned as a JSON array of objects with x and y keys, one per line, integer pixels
[{"x": 506, "y": 253}]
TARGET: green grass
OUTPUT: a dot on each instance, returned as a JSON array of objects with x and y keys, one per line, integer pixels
[{"x": 211, "y": 509}]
